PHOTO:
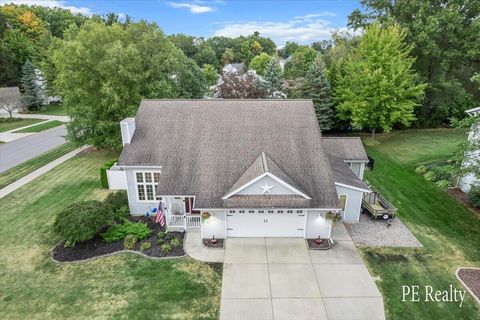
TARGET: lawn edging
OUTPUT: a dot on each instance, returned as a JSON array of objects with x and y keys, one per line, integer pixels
[
  {"x": 465, "y": 285},
  {"x": 112, "y": 254}
]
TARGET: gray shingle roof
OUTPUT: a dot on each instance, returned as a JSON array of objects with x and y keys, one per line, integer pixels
[
  {"x": 346, "y": 148},
  {"x": 261, "y": 165},
  {"x": 343, "y": 174},
  {"x": 9, "y": 95},
  {"x": 204, "y": 146}
]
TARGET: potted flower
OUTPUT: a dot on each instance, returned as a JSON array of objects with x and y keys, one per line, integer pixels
[
  {"x": 333, "y": 216},
  {"x": 205, "y": 215},
  {"x": 213, "y": 241},
  {"x": 318, "y": 240}
]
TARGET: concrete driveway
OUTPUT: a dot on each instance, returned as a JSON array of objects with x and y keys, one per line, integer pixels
[{"x": 278, "y": 278}]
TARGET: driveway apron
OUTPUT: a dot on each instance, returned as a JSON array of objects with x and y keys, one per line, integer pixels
[{"x": 279, "y": 278}]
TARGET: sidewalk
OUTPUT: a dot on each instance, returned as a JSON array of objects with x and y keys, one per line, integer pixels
[
  {"x": 37, "y": 173},
  {"x": 9, "y": 136},
  {"x": 37, "y": 116},
  {"x": 194, "y": 248}
]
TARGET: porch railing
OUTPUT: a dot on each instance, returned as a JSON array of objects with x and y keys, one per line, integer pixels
[{"x": 184, "y": 221}]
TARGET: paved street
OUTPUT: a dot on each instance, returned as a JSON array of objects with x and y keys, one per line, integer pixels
[{"x": 21, "y": 150}]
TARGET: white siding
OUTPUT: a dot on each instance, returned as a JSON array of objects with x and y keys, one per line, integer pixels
[
  {"x": 215, "y": 225},
  {"x": 256, "y": 187},
  {"x": 317, "y": 225},
  {"x": 354, "y": 203}
]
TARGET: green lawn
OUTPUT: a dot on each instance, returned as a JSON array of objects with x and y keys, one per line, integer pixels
[
  {"x": 55, "y": 109},
  {"x": 449, "y": 232},
  {"x": 7, "y": 124},
  {"x": 124, "y": 286},
  {"x": 31, "y": 165},
  {"x": 41, "y": 127}
]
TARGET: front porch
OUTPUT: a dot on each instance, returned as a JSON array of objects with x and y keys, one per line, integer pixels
[{"x": 183, "y": 222}]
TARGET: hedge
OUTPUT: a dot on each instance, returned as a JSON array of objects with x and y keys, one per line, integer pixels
[{"x": 103, "y": 173}]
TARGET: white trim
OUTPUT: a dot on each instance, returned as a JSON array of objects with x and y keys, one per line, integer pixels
[
  {"x": 346, "y": 201},
  {"x": 244, "y": 186},
  {"x": 352, "y": 187},
  {"x": 144, "y": 183},
  {"x": 267, "y": 174},
  {"x": 357, "y": 161},
  {"x": 139, "y": 166}
]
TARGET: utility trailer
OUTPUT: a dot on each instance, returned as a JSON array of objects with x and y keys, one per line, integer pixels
[{"x": 375, "y": 204}]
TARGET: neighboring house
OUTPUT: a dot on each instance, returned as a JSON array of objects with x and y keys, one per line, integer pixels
[
  {"x": 469, "y": 180},
  {"x": 10, "y": 99},
  {"x": 253, "y": 168},
  {"x": 238, "y": 68}
]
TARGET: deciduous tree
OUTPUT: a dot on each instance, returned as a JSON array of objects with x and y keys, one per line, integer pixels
[{"x": 379, "y": 87}]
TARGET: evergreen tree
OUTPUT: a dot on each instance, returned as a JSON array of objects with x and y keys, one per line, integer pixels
[
  {"x": 273, "y": 80},
  {"x": 33, "y": 87},
  {"x": 317, "y": 87}
]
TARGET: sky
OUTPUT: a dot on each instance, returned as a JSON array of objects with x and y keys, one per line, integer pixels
[{"x": 300, "y": 21}]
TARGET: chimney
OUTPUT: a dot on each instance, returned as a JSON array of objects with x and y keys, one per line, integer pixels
[{"x": 127, "y": 126}]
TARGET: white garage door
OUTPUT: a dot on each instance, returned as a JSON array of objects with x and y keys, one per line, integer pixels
[{"x": 265, "y": 224}]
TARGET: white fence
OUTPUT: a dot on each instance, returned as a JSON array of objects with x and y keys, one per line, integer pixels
[
  {"x": 184, "y": 221},
  {"x": 117, "y": 178}
]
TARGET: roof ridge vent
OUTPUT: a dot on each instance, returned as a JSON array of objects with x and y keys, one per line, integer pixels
[{"x": 264, "y": 162}]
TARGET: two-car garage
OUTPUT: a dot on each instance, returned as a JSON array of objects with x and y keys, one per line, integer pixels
[{"x": 265, "y": 223}]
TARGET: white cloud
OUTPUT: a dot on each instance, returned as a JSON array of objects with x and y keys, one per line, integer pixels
[
  {"x": 193, "y": 8},
  {"x": 302, "y": 29},
  {"x": 51, "y": 4}
]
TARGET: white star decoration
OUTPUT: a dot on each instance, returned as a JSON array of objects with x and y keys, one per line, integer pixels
[{"x": 266, "y": 188}]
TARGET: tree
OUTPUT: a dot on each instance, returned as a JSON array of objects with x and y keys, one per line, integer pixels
[
  {"x": 259, "y": 63},
  {"x": 250, "y": 49},
  {"x": 104, "y": 71},
  {"x": 301, "y": 61},
  {"x": 379, "y": 87},
  {"x": 211, "y": 75},
  {"x": 206, "y": 55},
  {"x": 289, "y": 49},
  {"x": 33, "y": 87},
  {"x": 10, "y": 99},
  {"x": 227, "y": 56},
  {"x": 273, "y": 81},
  {"x": 185, "y": 43},
  {"x": 445, "y": 44},
  {"x": 316, "y": 87},
  {"x": 322, "y": 46},
  {"x": 234, "y": 86}
]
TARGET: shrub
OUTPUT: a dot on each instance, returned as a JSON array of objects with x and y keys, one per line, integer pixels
[
  {"x": 168, "y": 236},
  {"x": 119, "y": 231},
  {"x": 81, "y": 221},
  {"x": 474, "y": 196},
  {"x": 117, "y": 202},
  {"x": 175, "y": 243},
  {"x": 145, "y": 245},
  {"x": 166, "y": 248},
  {"x": 129, "y": 242},
  {"x": 103, "y": 173},
  {"x": 162, "y": 234},
  {"x": 442, "y": 173},
  {"x": 443, "y": 184},
  {"x": 421, "y": 170},
  {"x": 429, "y": 176},
  {"x": 160, "y": 241},
  {"x": 138, "y": 229}
]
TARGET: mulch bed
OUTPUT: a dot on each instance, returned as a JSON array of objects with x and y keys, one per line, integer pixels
[
  {"x": 324, "y": 245},
  {"x": 461, "y": 197},
  {"x": 471, "y": 278},
  {"x": 208, "y": 243},
  {"x": 97, "y": 247}
]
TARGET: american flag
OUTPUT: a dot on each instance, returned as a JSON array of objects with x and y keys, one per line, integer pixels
[{"x": 160, "y": 214}]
